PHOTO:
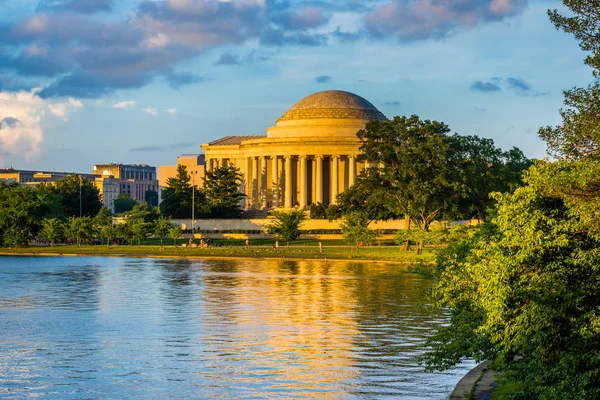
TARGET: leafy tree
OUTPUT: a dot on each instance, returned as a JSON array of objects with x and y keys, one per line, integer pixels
[
  {"x": 355, "y": 229},
  {"x": 124, "y": 230},
  {"x": 124, "y": 203},
  {"x": 480, "y": 168},
  {"x": 286, "y": 225},
  {"x": 21, "y": 212},
  {"x": 152, "y": 197},
  {"x": 367, "y": 195},
  {"x": 109, "y": 232},
  {"x": 222, "y": 189},
  {"x": 80, "y": 229},
  {"x": 145, "y": 212},
  {"x": 177, "y": 196},
  {"x": 68, "y": 189},
  {"x": 162, "y": 226},
  {"x": 52, "y": 230},
  {"x": 416, "y": 179},
  {"x": 138, "y": 228},
  {"x": 175, "y": 233}
]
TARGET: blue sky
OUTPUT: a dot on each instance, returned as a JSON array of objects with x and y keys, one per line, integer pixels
[{"x": 97, "y": 81}]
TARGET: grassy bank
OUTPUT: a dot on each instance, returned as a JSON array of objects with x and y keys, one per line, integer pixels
[{"x": 331, "y": 251}]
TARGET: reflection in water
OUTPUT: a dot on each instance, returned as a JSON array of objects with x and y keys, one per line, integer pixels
[{"x": 138, "y": 328}]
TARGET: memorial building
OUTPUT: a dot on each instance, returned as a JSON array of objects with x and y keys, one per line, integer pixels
[{"x": 309, "y": 155}]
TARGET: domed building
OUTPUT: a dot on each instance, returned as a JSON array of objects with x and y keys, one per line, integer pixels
[{"x": 309, "y": 155}]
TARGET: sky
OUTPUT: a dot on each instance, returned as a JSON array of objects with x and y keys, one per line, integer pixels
[{"x": 85, "y": 82}]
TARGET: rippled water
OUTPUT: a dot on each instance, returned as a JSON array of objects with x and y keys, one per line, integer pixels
[{"x": 149, "y": 328}]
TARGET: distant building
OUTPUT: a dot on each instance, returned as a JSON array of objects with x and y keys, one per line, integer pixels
[
  {"x": 132, "y": 179},
  {"x": 25, "y": 177},
  {"x": 194, "y": 164}
]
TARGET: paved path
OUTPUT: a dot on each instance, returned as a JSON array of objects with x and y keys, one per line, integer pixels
[{"x": 480, "y": 381}]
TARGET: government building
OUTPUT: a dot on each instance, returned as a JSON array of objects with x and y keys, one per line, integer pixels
[{"x": 309, "y": 156}]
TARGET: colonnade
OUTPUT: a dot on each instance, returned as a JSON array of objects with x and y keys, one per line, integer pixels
[{"x": 293, "y": 180}]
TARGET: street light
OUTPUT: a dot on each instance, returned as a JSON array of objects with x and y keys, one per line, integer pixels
[
  {"x": 80, "y": 202},
  {"x": 193, "y": 198}
]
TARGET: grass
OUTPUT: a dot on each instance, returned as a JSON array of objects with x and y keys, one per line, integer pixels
[{"x": 332, "y": 250}]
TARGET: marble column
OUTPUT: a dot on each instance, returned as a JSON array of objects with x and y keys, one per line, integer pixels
[
  {"x": 288, "y": 182},
  {"x": 319, "y": 176},
  {"x": 263, "y": 182},
  {"x": 303, "y": 181},
  {"x": 274, "y": 182},
  {"x": 335, "y": 178},
  {"x": 351, "y": 170},
  {"x": 248, "y": 182},
  {"x": 254, "y": 182}
]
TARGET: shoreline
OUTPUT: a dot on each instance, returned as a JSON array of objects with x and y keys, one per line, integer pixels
[{"x": 154, "y": 254}]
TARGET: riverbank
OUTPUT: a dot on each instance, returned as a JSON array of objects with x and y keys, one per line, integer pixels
[{"x": 374, "y": 253}]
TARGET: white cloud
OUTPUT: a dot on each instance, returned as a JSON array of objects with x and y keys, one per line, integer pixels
[
  {"x": 20, "y": 129},
  {"x": 124, "y": 104},
  {"x": 172, "y": 111},
  {"x": 59, "y": 110},
  {"x": 75, "y": 103},
  {"x": 151, "y": 111}
]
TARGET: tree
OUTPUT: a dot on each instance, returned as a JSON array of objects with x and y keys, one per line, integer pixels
[
  {"x": 480, "y": 168},
  {"x": 80, "y": 229},
  {"x": 138, "y": 228},
  {"x": 175, "y": 233},
  {"x": 21, "y": 212},
  {"x": 152, "y": 197},
  {"x": 222, "y": 189},
  {"x": 416, "y": 179},
  {"x": 355, "y": 229},
  {"x": 124, "y": 203},
  {"x": 124, "y": 230},
  {"x": 177, "y": 196},
  {"x": 162, "y": 226},
  {"x": 68, "y": 188},
  {"x": 108, "y": 232},
  {"x": 52, "y": 230},
  {"x": 286, "y": 225}
]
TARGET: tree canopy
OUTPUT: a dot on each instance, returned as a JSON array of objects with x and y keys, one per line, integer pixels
[
  {"x": 222, "y": 190},
  {"x": 68, "y": 188},
  {"x": 177, "y": 196},
  {"x": 286, "y": 225}
]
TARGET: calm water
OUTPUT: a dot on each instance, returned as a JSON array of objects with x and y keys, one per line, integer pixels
[{"x": 147, "y": 329}]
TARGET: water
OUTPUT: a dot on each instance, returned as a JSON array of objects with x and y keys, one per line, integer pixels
[{"x": 102, "y": 328}]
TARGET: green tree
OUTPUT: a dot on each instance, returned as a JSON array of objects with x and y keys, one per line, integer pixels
[
  {"x": 21, "y": 212},
  {"x": 222, "y": 189},
  {"x": 177, "y": 196},
  {"x": 416, "y": 179},
  {"x": 152, "y": 197},
  {"x": 285, "y": 225},
  {"x": 138, "y": 228},
  {"x": 175, "y": 233},
  {"x": 162, "y": 226},
  {"x": 52, "y": 230},
  {"x": 124, "y": 230},
  {"x": 109, "y": 232},
  {"x": 355, "y": 229},
  {"x": 68, "y": 188},
  {"x": 480, "y": 168},
  {"x": 124, "y": 203},
  {"x": 80, "y": 229}
]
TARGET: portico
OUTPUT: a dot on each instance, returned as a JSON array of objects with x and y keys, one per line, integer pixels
[{"x": 309, "y": 156}]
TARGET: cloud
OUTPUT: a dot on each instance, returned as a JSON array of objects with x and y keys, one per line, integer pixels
[
  {"x": 519, "y": 84},
  {"x": 81, "y": 6},
  {"x": 172, "y": 111},
  {"x": 228, "y": 59},
  {"x": 178, "y": 79},
  {"x": 309, "y": 18},
  {"x": 485, "y": 87},
  {"x": 20, "y": 123},
  {"x": 411, "y": 20},
  {"x": 124, "y": 104},
  {"x": 75, "y": 103},
  {"x": 151, "y": 111},
  {"x": 323, "y": 79},
  {"x": 394, "y": 103},
  {"x": 59, "y": 110},
  {"x": 176, "y": 146}
]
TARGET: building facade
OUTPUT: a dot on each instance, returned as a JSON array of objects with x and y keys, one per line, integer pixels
[
  {"x": 309, "y": 156},
  {"x": 133, "y": 179},
  {"x": 194, "y": 164},
  {"x": 27, "y": 177}
]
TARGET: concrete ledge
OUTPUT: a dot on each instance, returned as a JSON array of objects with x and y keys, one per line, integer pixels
[{"x": 480, "y": 381}]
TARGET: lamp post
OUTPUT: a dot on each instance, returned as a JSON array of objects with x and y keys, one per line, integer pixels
[
  {"x": 80, "y": 199},
  {"x": 193, "y": 200}
]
